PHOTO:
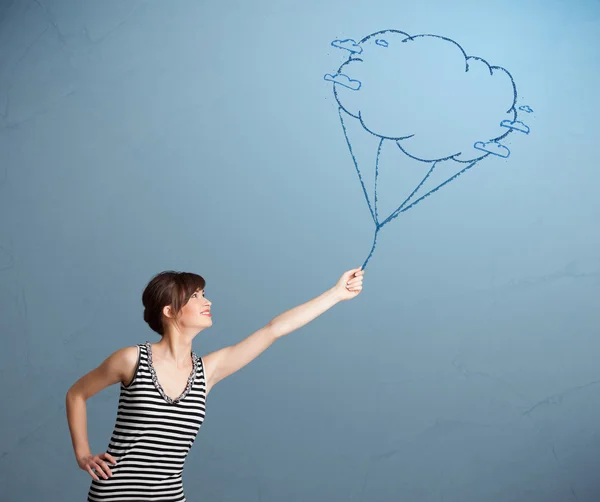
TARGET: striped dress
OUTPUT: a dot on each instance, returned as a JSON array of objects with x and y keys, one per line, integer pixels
[{"x": 152, "y": 436}]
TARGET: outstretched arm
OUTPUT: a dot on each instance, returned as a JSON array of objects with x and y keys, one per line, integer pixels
[{"x": 224, "y": 362}]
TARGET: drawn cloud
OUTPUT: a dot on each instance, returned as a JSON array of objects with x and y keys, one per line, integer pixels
[
  {"x": 517, "y": 125},
  {"x": 348, "y": 44},
  {"x": 425, "y": 93},
  {"x": 493, "y": 148},
  {"x": 343, "y": 80}
]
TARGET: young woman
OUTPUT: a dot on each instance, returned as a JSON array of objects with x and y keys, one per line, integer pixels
[{"x": 164, "y": 387}]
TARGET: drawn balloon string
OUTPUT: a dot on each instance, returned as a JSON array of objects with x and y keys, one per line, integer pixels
[{"x": 390, "y": 72}]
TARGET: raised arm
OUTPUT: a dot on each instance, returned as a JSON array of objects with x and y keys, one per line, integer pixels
[{"x": 222, "y": 363}]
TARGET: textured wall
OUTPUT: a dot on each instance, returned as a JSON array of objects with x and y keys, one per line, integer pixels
[{"x": 141, "y": 136}]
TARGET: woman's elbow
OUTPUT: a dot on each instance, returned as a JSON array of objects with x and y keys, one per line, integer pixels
[{"x": 74, "y": 393}]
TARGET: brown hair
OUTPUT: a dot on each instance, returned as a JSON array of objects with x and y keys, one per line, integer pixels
[{"x": 168, "y": 288}]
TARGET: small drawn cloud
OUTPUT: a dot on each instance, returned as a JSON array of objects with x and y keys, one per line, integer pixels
[
  {"x": 348, "y": 44},
  {"x": 381, "y": 42},
  {"x": 344, "y": 80},
  {"x": 517, "y": 125},
  {"x": 493, "y": 148},
  {"x": 526, "y": 108}
]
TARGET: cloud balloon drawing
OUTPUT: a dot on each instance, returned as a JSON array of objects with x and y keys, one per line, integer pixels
[{"x": 417, "y": 112}]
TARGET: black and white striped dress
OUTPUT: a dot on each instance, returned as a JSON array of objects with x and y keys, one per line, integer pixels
[{"x": 152, "y": 436}]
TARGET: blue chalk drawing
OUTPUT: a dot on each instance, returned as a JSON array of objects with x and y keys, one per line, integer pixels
[
  {"x": 344, "y": 80},
  {"x": 517, "y": 125},
  {"x": 493, "y": 148},
  {"x": 526, "y": 108},
  {"x": 348, "y": 44},
  {"x": 439, "y": 108}
]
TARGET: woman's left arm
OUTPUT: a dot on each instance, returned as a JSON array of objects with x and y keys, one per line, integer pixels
[{"x": 224, "y": 362}]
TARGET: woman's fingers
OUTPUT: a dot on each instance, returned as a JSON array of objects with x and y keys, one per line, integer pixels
[
  {"x": 354, "y": 282},
  {"x": 355, "y": 272},
  {"x": 92, "y": 473},
  {"x": 98, "y": 468},
  {"x": 104, "y": 466},
  {"x": 110, "y": 458}
]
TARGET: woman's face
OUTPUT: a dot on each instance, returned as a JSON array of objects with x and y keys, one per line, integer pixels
[{"x": 196, "y": 312}]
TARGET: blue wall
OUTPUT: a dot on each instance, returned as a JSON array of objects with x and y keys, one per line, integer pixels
[{"x": 201, "y": 136}]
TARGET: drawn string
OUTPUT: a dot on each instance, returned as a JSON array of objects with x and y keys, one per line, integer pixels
[{"x": 401, "y": 208}]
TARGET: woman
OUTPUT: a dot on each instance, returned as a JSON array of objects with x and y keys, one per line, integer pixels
[{"x": 164, "y": 387}]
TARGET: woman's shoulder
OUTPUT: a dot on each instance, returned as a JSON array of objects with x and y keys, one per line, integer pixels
[
  {"x": 128, "y": 356},
  {"x": 127, "y": 359}
]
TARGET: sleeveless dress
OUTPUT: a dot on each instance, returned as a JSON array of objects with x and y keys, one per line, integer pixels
[{"x": 152, "y": 436}]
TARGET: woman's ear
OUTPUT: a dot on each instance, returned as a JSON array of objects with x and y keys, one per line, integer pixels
[{"x": 168, "y": 312}]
